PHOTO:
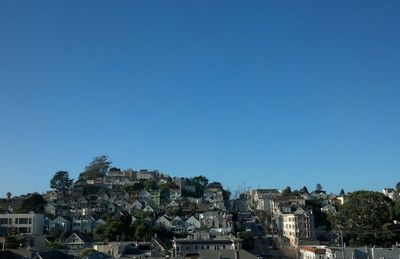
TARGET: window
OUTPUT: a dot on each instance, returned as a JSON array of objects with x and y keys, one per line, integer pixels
[
  {"x": 21, "y": 221},
  {"x": 4, "y": 221},
  {"x": 22, "y": 230}
]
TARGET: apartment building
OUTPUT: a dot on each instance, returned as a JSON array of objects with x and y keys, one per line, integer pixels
[{"x": 26, "y": 223}]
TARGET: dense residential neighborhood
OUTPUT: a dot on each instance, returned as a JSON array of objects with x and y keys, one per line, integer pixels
[{"x": 109, "y": 212}]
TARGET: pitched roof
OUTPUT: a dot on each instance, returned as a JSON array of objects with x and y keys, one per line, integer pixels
[
  {"x": 82, "y": 236},
  {"x": 53, "y": 254}
]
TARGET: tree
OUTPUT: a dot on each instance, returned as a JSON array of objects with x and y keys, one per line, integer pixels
[
  {"x": 115, "y": 229},
  {"x": 8, "y": 194},
  {"x": 150, "y": 184},
  {"x": 363, "y": 216},
  {"x": 398, "y": 187},
  {"x": 34, "y": 202},
  {"x": 318, "y": 187},
  {"x": 61, "y": 181},
  {"x": 248, "y": 240},
  {"x": 200, "y": 181},
  {"x": 142, "y": 231},
  {"x": 98, "y": 167},
  {"x": 287, "y": 191},
  {"x": 215, "y": 185},
  {"x": 342, "y": 192}
]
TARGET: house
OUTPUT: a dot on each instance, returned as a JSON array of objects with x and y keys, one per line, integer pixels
[
  {"x": 155, "y": 197},
  {"x": 52, "y": 254},
  {"x": 148, "y": 208},
  {"x": 25, "y": 223},
  {"x": 177, "y": 225},
  {"x": 389, "y": 192},
  {"x": 260, "y": 199},
  {"x": 320, "y": 195},
  {"x": 279, "y": 200},
  {"x": 98, "y": 223},
  {"x": 192, "y": 221},
  {"x": 323, "y": 252},
  {"x": 174, "y": 193},
  {"x": 137, "y": 206},
  {"x": 163, "y": 220},
  {"x": 172, "y": 205},
  {"x": 226, "y": 254},
  {"x": 60, "y": 223},
  {"x": 308, "y": 252},
  {"x": 328, "y": 209},
  {"x": 192, "y": 247},
  {"x": 83, "y": 224},
  {"x": 215, "y": 219},
  {"x": 145, "y": 174},
  {"x": 337, "y": 201},
  {"x": 144, "y": 196},
  {"x": 295, "y": 223},
  {"x": 111, "y": 207},
  {"x": 78, "y": 241},
  {"x": 50, "y": 208}
]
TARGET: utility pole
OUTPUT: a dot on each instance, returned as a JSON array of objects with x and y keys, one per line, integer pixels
[{"x": 341, "y": 238}]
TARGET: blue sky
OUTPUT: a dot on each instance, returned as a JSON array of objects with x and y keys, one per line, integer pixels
[{"x": 261, "y": 93}]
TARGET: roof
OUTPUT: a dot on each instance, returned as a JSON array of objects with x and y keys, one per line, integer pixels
[
  {"x": 53, "y": 254},
  {"x": 97, "y": 255},
  {"x": 226, "y": 254},
  {"x": 314, "y": 250},
  {"x": 202, "y": 241},
  {"x": 82, "y": 236}
]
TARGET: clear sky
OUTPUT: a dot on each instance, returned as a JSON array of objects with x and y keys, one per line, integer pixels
[{"x": 261, "y": 93}]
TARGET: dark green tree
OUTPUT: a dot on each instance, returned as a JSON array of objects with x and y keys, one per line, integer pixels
[
  {"x": 398, "y": 187},
  {"x": 247, "y": 240},
  {"x": 200, "y": 181},
  {"x": 8, "y": 194},
  {"x": 142, "y": 231},
  {"x": 287, "y": 191},
  {"x": 61, "y": 181},
  {"x": 362, "y": 216},
  {"x": 115, "y": 229},
  {"x": 33, "y": 202},
  {"x": 150, "y": 184},
  {"x": 342, "y": 192},
  {"x": 98, "y": 167}
]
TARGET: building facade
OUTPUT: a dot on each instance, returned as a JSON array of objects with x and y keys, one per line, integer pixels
[{"x": 26, "y": 223}]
